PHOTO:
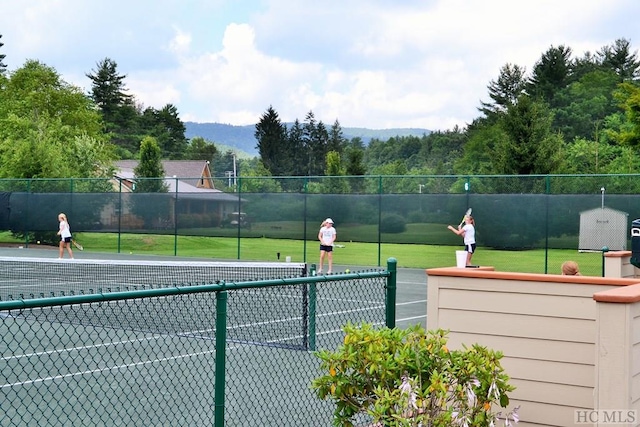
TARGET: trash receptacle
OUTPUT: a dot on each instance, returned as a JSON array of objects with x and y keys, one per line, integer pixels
[{"x": 635, "y": 242}]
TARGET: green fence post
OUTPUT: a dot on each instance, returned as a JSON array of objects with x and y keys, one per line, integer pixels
[
  {"x": 221, "y": 353},
  {"x": 119, "y": 214},
  {"x": 311, "y": 296},
  {"x": 175, "y": 222},
  {"x": 605, "y": 249},
  {"x": 546, "y": 223},
  {"x": 305, "y": 189},
  {"x": 392, "y": 267},
  {"x": 238, "y": 189},
  {"x": 379, "y": 218},
  {"x": 312, "y": 316}
]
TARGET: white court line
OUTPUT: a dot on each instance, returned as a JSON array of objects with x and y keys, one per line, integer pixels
[
  {"x": 420, "y": 301},
  {"x": 113, "y": 368},
  {"x": 406, "y": 319},
  {"x": 85, "y": 347}
]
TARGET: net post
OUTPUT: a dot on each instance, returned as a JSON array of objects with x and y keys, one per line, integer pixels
[
  {"x": 221, "y": 351},
  {"x": 392, "y": 267}
]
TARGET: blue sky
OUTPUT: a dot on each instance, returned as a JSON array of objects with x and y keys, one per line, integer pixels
[{"x": 377, "y": 64}]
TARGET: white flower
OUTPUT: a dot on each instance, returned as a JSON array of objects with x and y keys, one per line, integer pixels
[
  {"x": 493, "y": 393},
  {"x": 407, "y": 388},
  {"x": 471, "y": 397}
]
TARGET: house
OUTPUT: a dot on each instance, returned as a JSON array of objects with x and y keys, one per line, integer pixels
[
  {"x": 191, "y": 199},
  {"x": 186, "y": 175}
]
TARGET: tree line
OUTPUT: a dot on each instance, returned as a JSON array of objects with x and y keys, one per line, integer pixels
[{"x": 568, "y": 115}]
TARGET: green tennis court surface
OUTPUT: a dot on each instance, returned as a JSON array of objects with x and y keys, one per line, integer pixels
[{"x": 151, "y": 361}]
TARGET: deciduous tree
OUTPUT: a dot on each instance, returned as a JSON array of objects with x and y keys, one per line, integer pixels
[
  {"x": 48, "y": 128},
  {"x": 149, "y": 173}
]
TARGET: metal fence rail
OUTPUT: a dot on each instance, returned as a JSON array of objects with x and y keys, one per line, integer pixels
[{"x": 228, "y": 354}]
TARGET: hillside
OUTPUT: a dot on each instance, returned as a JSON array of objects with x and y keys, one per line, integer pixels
[{"x": 242, "y": 137}]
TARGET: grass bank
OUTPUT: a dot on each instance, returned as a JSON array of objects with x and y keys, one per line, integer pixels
[{"x": 359, "y": 254}]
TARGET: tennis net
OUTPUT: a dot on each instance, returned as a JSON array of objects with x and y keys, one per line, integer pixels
[{"x": 22, "y": 278}]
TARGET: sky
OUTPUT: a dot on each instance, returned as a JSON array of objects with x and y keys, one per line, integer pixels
[{"x": 376, "y": 64}]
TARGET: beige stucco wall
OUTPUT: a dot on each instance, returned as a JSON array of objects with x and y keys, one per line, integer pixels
[
  {"x": 546, "y": 326},
  {"x": 618, "y": 264}
]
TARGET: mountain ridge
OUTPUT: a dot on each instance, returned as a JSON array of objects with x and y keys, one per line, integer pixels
[{"x": 242, "y": 137}]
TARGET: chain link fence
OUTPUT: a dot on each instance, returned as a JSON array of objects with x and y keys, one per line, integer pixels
[
  {"x": 577, "y": 213},
  {"x": 234, "y": 354}
]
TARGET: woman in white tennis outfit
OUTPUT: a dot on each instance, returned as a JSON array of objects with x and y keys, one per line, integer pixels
[
  {"x": 64, "y": 232},
  {"x": 326, "y": 235},
  {"x": 468, "y": 232}
]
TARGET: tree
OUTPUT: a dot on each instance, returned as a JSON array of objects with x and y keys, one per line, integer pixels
[
  {"x": 3, "y": 66},
  {"x": 618, "y": 58},
  {"x": 628, "y": 95},
  {"x": 225, "y": 164},
  {"x": 295, "y": 136},
  {"x": 48, "y": 128},
  {"x": 479, "y": 151},
  {"x": 530, "y": 146},
  {"x": 168, "y": 130},
  {"x": 108, "y": 89},
  {"x": 585, "y": 103},
  {"x": 153, "y": 208},
  {"x": 201, "y": 149},
  {"x": 337, "y": 141},
  {"x": 315, "y": 139},
  {"x": 273, "y": 144},
  {"x": 585, "y": 65},
  {"x": 335, "y": 172},
  {"x": 505, "y": 91},
  {"x": 253, "y": 179},
  {"x": 119, "y": 112},
  {"x": 355, "y": 167},
  {"x": 550, "y": 74},
  {"x": 149, "y": 173}
]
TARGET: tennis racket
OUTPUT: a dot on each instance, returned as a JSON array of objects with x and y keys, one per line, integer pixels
[
  {"x": 463, "y": 216},
  {"x": 77, "y": 245},
  {"x": 338, "y": 246}
]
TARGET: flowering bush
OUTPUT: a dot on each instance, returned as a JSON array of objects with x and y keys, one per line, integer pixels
[{"x": 408, "y": 377}]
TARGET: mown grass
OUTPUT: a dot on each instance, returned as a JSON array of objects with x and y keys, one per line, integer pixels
[{"x": 354, "y": 253}]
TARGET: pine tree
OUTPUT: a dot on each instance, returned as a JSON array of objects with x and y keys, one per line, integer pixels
[{"x": 3, "y": 67}]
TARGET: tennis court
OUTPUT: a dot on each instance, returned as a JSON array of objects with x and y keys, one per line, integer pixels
[{"x": 159, "y": 353}]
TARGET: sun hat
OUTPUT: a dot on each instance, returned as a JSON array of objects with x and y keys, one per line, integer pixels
[{"x": 329, "y": 220}]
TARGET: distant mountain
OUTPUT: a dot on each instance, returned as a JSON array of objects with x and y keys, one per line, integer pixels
[{"x": 242, "y": 137}]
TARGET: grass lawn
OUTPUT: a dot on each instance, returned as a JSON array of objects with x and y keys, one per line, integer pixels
[{"x": 359, "y": 254}]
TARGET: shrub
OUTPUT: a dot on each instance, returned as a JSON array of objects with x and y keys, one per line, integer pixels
[
  {"x": 408, "y": 377},
  {"x": 392, "y": 223}
]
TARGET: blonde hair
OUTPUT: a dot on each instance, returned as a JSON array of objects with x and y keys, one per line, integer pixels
[{"x": 570, "y": 268}]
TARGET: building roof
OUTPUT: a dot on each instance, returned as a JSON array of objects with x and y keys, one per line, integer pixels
[{"x": 184, "y": 176}]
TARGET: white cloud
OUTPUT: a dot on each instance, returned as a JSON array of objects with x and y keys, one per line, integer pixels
[{"x": 366, "y": 63}]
